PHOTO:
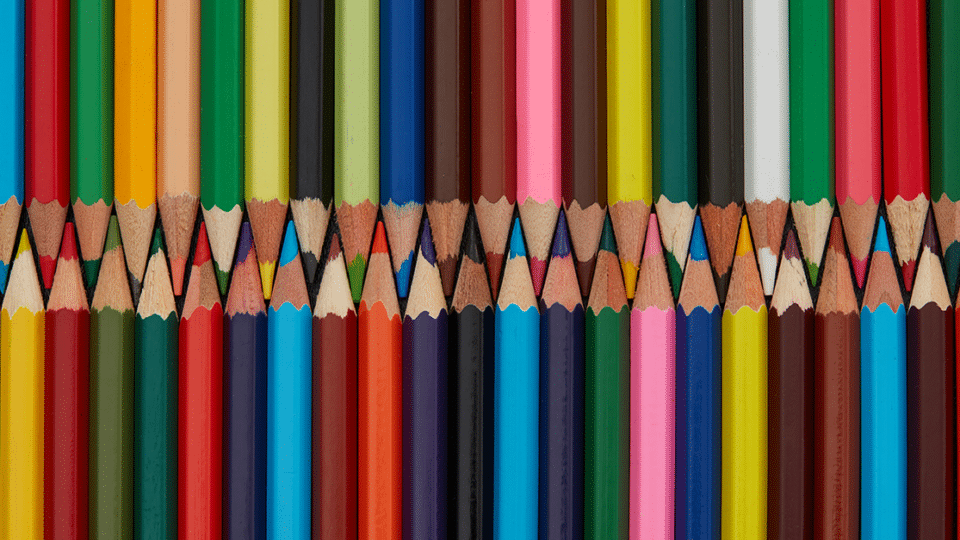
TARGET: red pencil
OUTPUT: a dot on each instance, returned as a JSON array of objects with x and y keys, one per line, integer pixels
[
  {"x": 201, "y": 400},
  {"x": 47, "y": 126},
  {"x": 67, "y": 397}
]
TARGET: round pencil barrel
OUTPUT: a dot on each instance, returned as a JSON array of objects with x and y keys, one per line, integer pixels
[{"x": 11, "y": 131}]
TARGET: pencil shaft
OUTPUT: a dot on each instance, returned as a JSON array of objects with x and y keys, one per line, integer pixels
[
  {"x": 111, "y": 424},
  {"x": 288, "y": 421},
  {"x": 471, "y": 461},
  {"x": 65, "y": 423},
  {"x": 245, "y": 445},
  {"x": 561, "y": 421},
  {"x": 11, "y": 95},
  {"x": 944, "y": 23},
  {"x": 155, "y": 425},
  {"x": 698, "y": 423},
  {"x": 883, "y": 418},
  {"x": 515, "y": 439}
]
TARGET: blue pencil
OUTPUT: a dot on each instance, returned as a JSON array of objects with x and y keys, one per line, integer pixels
[
  {"x": 516, "y": 399},
  {"x": 698, "y": 397},
  {"x": 11, "y": 129},
  {"x": 401, "y": 130},
  {"x": 883, "y": 399},
  {"x": 289, "y": 371}
]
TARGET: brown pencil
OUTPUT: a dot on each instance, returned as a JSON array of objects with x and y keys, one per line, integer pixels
[
  {"x": 837, "y": 391},
  {"x": 931, "y": 442},
  {"x": 790, "y": 401}
]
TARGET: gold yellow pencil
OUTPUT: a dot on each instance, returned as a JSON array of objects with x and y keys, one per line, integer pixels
[
  {"x": 267, "y": 188},
  {"x": 629, "y": 135},
  {"x": 21, "y": 401},
  {"x": 743, "y": 498},
  {"x": 135, "y": 130}
]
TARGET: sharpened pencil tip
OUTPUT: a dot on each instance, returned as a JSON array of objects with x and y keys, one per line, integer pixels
[
  {"x": 290, "y": 247},
  {"x": 930, "y": 239},
  {"x": 113, "y": 235},
  {"x": 24, "y": 244},
  {"x": 698, "y": 242},
  {"x": 744, "y": 243},
  {"x": 517, "y": 247},
  {"x": 608, "y": 241},
  {"x": 267, "y": 270},
  {"x": 652, "y": 246},
  {"x": 156, "y": 244},
  {"x": 4, "y": 271},
  {"x": 68, "y": 246},
  {"x": 202, "y": 253},
  {"x": 883, "y": 241},
  {"x": 836, "y": 235},
  {"x": 379, "y": 239},
  {"x": 561, "y": 238},
  {"x": 791, "y": 250},
  {"x": 426, "y": 243},
  {"x": 245, "y": 243},
  {"x": 335, "y": 248}
]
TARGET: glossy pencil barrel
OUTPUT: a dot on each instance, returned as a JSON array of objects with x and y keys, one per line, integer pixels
[
  {"x": 11, "y": 96},
  {"x": 245, "y": 426},
  {"x": 883, "y": 420},
  {"x": 517, "y": 365},
  {"x": 91, "y": 103},
  {"x": 698, "y": 424},
  {"x": 288, "y": 421},
  {"x": 561, "y": 421}
]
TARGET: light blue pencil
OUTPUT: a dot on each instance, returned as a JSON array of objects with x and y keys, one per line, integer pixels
[{"x": 11, "y": 129}]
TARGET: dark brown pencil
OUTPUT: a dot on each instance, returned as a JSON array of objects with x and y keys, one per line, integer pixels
[
  {"x": 931, "y": 443},
  {"x": 447, "y": 129},
  {"x": 837, "y": 391},
  {"x": 790, "y": 401}
]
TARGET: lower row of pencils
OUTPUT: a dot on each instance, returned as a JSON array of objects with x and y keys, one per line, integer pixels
[{"x": 513, "y": 418}]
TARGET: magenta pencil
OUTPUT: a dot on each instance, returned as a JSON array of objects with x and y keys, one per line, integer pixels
[
  {"x": 538, "y": 128},
  {"x": 652, "y": 346}
]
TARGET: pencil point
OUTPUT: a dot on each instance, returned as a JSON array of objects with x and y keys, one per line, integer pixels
[
  {"x": 113, "y": 234},
  {"x": 290, "y": 246},
  {"x": 156, "y": 244},
  {"x": 561, "y": 238},
  {"x": 607, "y": 239},
  {"x": 403, "y": 276},
  {"x": 202, "y": 252},
  {"x": 698, "y": 242},
  {"x": 426, "y": 243},
  {"x": 883, "y": 241},
  {"x": 379, "y": 239},
  {"x": 335, "y": 248},
  {"x": 245, "y": 243},
  {"x": 813, "y": 270},
  {"x": 652, "y": 246},
  {"x": 24, "y": 244},
  {"x": 91, "y": 269},
  {"x": 68, "y": 247},
  {"x": 930, "y": 239},
  {"x": 744, "y": 243},
  {"x": 538, "y": 271},
  {"x": 4, "y": 271},
  {"x": 517, "y": 247},
  {"x": 310, "y": 265},
  {"x": 951, "y": 262},
  {"x": 48, "y": 265},
  {"x": 178, "y": 267},
  {"x": 267, "y": 270},
  {"x": 791, "y": 250}
]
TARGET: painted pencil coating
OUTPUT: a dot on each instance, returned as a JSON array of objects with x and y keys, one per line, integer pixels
[{"x": 11, "y": 130}]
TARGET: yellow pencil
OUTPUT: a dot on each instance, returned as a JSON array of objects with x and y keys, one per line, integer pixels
[
  {"x": 743, "y": 506},
  {"x": 135, "y": 130},
  {"x": 21, "y": 401},
  {"x": 266, "y": 155},
  {"x": 629, "y": 135}
]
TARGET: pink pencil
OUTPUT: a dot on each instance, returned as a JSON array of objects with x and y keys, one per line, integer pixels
[
  {"x": 652, "y": 329},
  {"x": 538, "y": 127}
]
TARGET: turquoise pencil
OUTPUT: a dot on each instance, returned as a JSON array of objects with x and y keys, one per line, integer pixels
[
  {"x": 289, "y": 370},
  {"x": 516, "y": 399},
  {"x": 883, "y": 399},
  {"x": 11, "y": 129}
]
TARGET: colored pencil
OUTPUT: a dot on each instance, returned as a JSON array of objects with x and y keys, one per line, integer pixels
[
  {"x": 472, "y": 390},
  {"x": 66, "y": 398},
  {"x": 629, "y": 129},
  {"x": 743, "y": 508},
  {"x": 221, "y": 129},
  {"x": 155, "y": 400},
  {"x": 674, "y": 34},
  {"x": 516, "y": 398},
  {"x": 931, "y": 410},
  {"x": 311, "y": 135},
  {"x": 538, "y": 128},
  {"x": 424, "y": 421},
  {"x": 201, "y": 400},
  {"x": 47, "y": 127},
  {"x": 356, "y": 136},
  {"x": 811, "y": 127},
  {"x": 494, "y": 124},
  {"x": 22, "y": 401},
  {"x": 91, "y": 128},
  {"x": 906, "y": 169},
  {"x": 289, "y": 372},
  {"x": 583, "y": 137},
  {"x": 857, "y": 114},
  {"x": 561, "y": 394},
  {"x": 652, "y": 376},
  {"x": 401, "y": 131},
  {"x": 447, "y": 129},
  {"x": 883, "y": 400},
  {"x": 266, "y": 128},
  {"x": 178, "y": 128},
  {"x": 607, "y": 395},
  {"x": 790, "y": 381},
  {"x": 112, "y": 351},
  {"x": 837, "y": 395},
  {"x": 11, "y": 130},
  {"x": 380, "y": 405},
  {"x": 944, "y": 43},
  {"x": 698, "y": 397},
  {"x": 766, "y": 127},
  {"x": 245, "y": 402},
  {"x": 135, "y": 130},
  {"x": 334, "y": 465}
]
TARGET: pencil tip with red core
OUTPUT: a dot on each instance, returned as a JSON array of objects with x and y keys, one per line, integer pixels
[
  {"x": 202, "y": 253},
  {"x": 379, "y": 239},
  {"x": 68, "y": 247}
]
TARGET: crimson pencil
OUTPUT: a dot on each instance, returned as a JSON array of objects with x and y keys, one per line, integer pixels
[
  {"x": 245, "y": 402},
  {"x": 67, "y": 398},
  {"x": 906, "y": 169},
  {"x": 837, "y": 398},
  {"x": 47, "y": 126},
  {"x": 931, "y": 441},
  {"x": 334, "y": 403},
  {"x": 201, "y": 400}
]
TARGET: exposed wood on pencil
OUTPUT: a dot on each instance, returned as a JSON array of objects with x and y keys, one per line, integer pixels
[
  {"x": 720, "y": 227},
  {"x": 768, "y": 219},
  {"x": 311, "y": 216},
  {"x": 859, "y": 221},
  {"x": 356, "y": 227},
  {"x": 494, "y": 222},
  {"x": 136, "y": 228},
  {"x": 9, "y": 223},
  {"x": 630, "y": 218},
  {"x": 46, "y": 223}
]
